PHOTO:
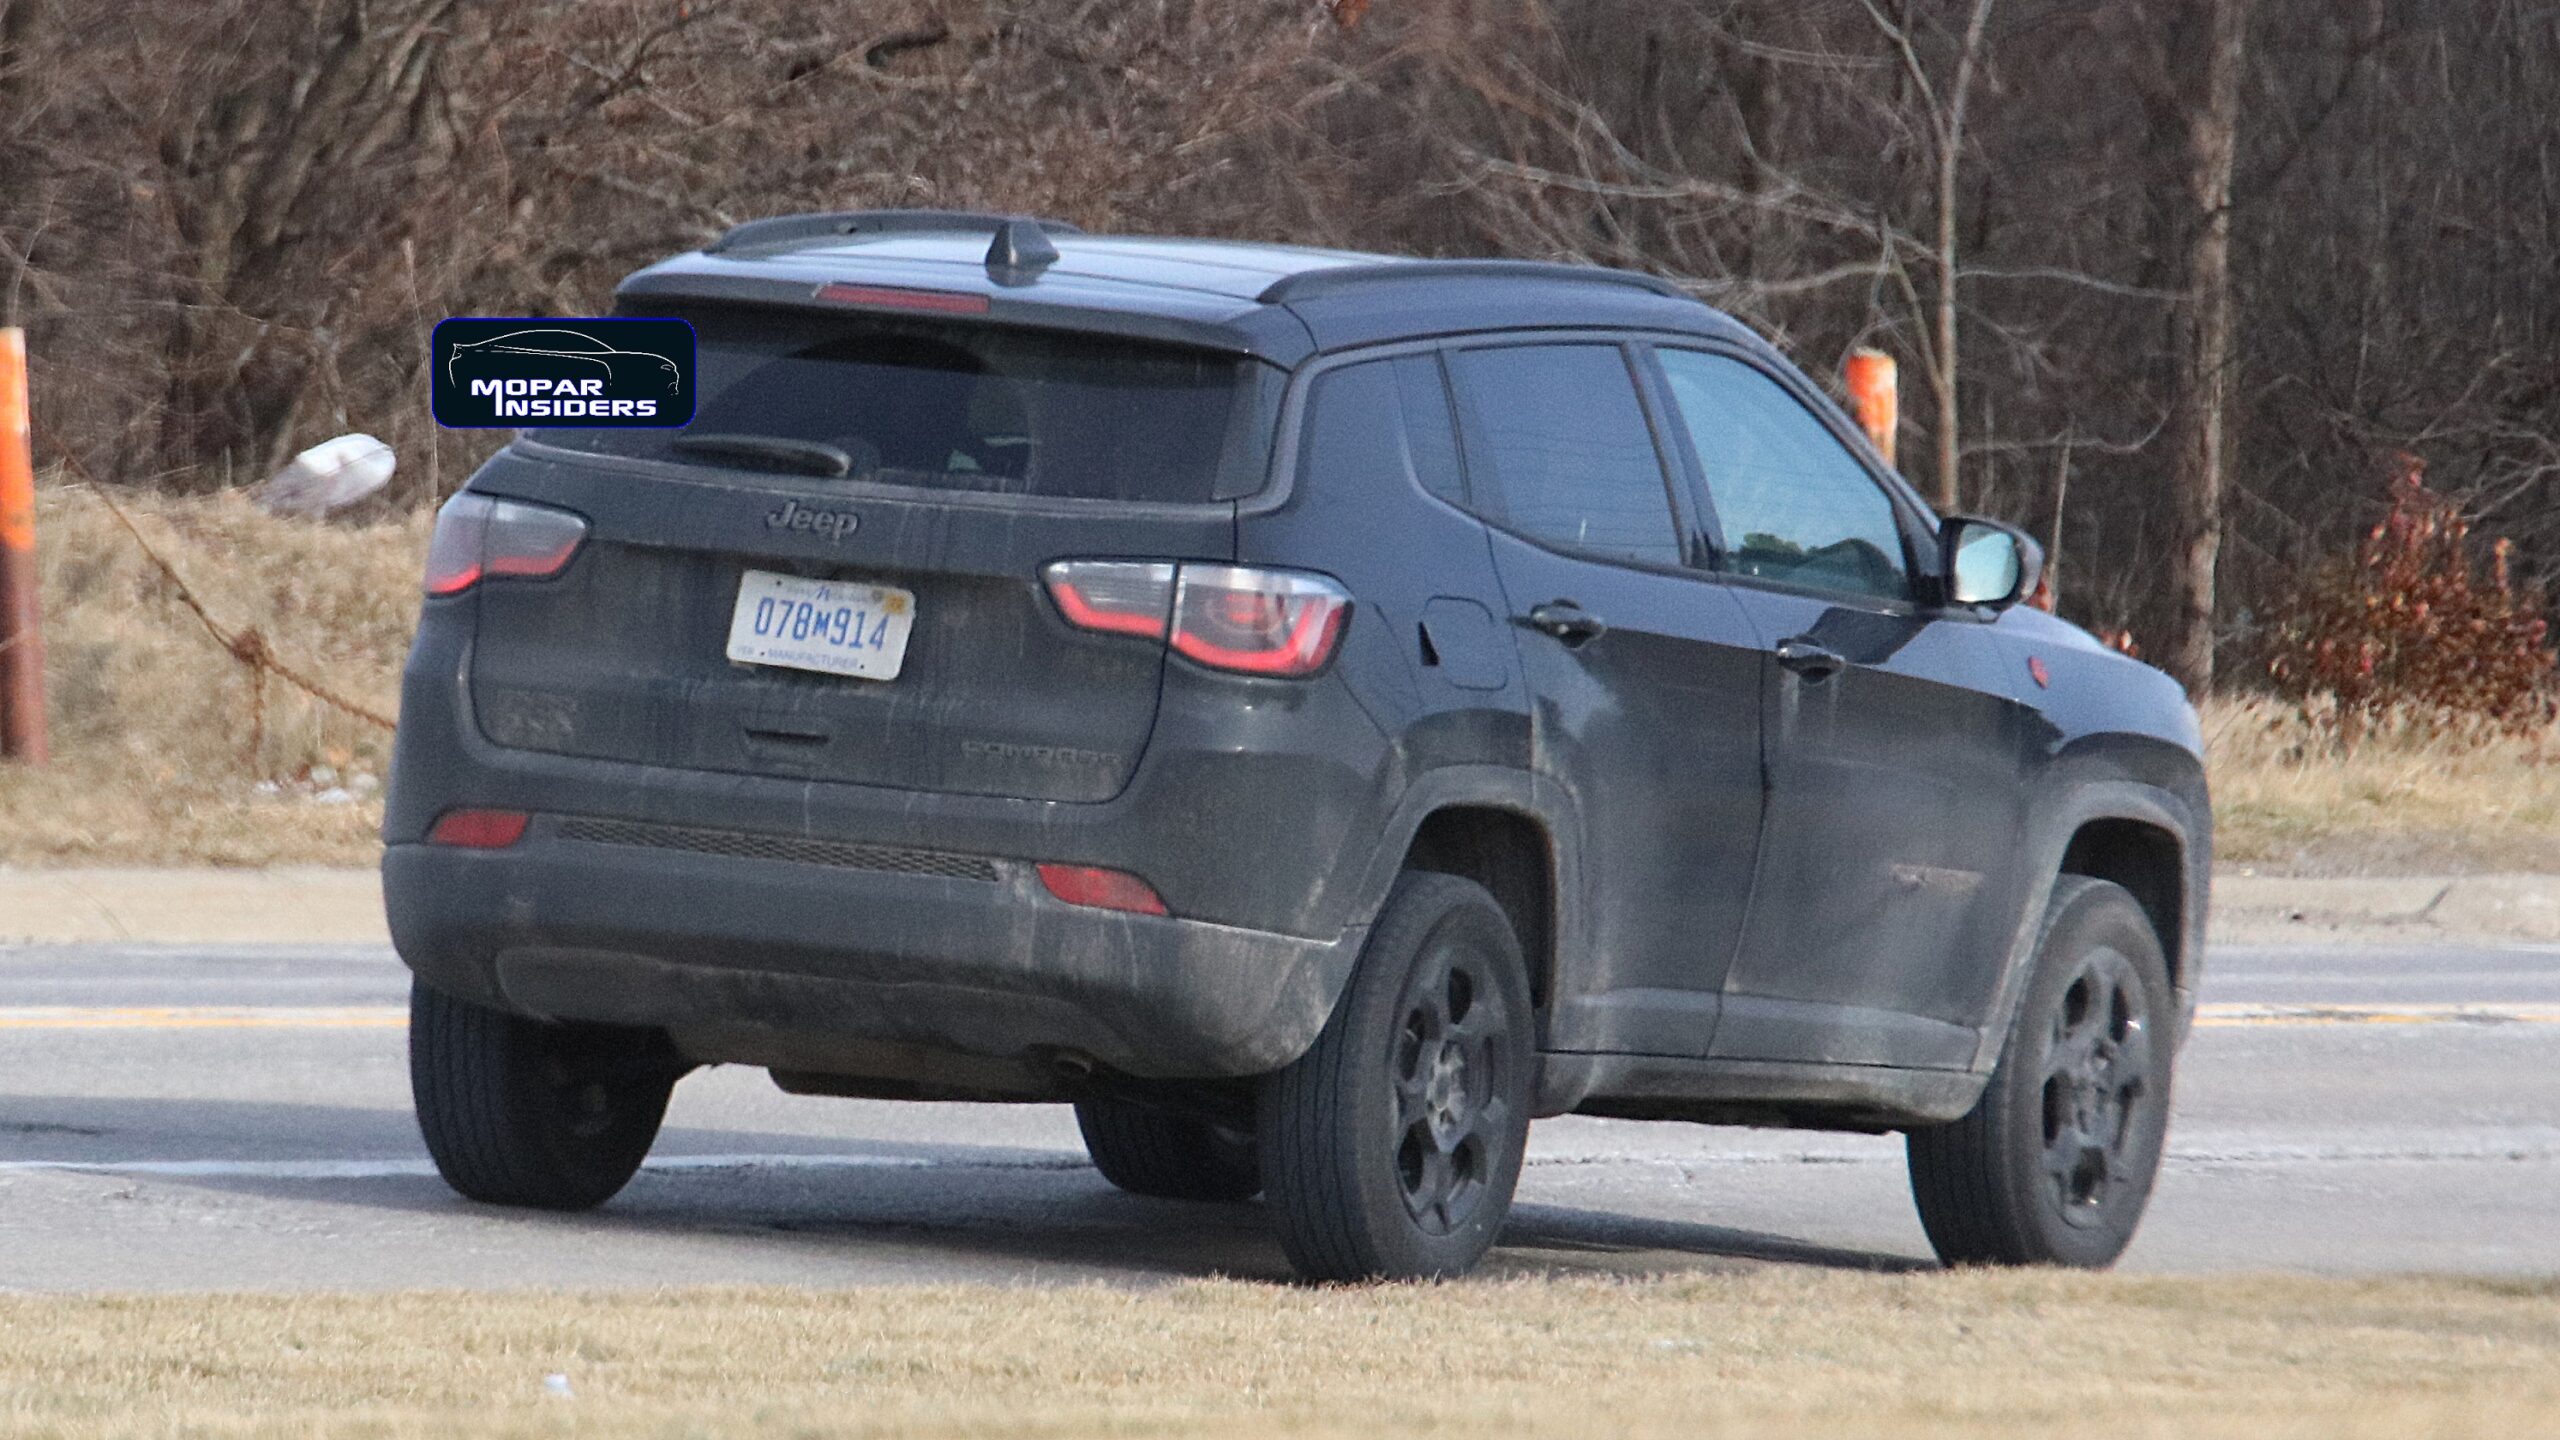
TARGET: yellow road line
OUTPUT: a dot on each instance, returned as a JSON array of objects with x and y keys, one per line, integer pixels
[
  {"x": 2451, "y": 1014},
  {"x": 202, "y": 1017}
]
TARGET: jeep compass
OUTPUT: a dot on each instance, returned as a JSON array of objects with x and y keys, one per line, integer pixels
[{"x": 1312, "y": 711}]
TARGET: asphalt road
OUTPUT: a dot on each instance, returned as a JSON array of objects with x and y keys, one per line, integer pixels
[{"x": 197, "y": 1118}]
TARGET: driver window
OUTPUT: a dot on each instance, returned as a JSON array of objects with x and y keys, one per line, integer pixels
[{"x": 1795, "y": 504}]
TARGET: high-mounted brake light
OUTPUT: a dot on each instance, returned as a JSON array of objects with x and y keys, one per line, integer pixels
[
  {"x": 1116, "y": 597},
  {"x": 900, "y": 297},
  {"x": 479, "y": 538},
  {"x": 1258, "y": 622},
  {"x": 1238, "y": 618}
]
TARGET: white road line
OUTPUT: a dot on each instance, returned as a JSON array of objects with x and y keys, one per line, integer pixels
[
  {"x": 202, "y": 1017},
  {"x": 2536, "y": 1149},
  {"x": 2377, "y": 1013},
  {"x": 397, "y": 1169}
]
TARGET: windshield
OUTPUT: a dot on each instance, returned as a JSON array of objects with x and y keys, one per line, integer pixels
[{"x": 978, "y": 408}]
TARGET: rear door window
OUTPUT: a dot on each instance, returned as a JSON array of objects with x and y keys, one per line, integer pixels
[
  {"x": 1558, "y": 449},
  {"x": 976, "y": 408}
]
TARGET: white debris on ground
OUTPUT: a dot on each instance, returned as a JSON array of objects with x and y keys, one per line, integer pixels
[
  {"x": 322, "y": 785},
  {"x": 329, "y": 476}
]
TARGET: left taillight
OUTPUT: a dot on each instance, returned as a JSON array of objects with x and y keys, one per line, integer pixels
[
  {"x": 479, "y": 538},
  {"x": 1115, "y": 597}
]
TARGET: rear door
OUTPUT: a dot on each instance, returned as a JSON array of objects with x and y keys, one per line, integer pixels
[
  {"x": 1644, "y": 678},
  {"x": 972, "y": 455},
  {"x": 1893, "y": 753}
]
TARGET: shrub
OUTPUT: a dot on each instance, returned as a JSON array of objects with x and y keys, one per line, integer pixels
[{"x": 2407, "y": 634}]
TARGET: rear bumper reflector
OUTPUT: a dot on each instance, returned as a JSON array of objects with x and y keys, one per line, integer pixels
[
  {"x": 479, "y": 829},
  {"x": 1100, "y": 889}
]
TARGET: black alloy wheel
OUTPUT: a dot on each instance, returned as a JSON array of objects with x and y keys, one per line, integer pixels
[
  {"x": 1390, "y": 1150},
  {"x": 2055, "y": 1163}
]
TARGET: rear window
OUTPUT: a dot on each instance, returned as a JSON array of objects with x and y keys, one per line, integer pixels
[{"x": 976, "y": 408}]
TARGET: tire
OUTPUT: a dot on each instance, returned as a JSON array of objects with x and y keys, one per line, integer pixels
[
  {"x": 1391, "y": 1148},
  {"x": 1171, "y": 1157},
  {"x": 523, "y": 1112},
  {"x": 2055, "y": 1163}
]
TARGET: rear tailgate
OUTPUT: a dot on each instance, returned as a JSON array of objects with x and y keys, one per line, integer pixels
[
  {"x": 624, "y": 656},
  {"x": 964, "y": 456}
]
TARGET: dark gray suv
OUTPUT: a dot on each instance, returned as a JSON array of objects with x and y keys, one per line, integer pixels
[{"x": 1313, "y": 711}]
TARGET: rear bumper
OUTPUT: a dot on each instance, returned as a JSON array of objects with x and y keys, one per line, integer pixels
[{"x": 787, "y": 964}]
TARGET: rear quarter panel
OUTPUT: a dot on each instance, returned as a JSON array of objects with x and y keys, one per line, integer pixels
[{"x": 1459, "y": 710}]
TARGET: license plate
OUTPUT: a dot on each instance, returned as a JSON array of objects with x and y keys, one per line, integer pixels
[{"x": 839, "y": 627}]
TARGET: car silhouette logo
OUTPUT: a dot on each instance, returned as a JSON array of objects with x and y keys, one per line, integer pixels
[{"x": 621, "y": 369}]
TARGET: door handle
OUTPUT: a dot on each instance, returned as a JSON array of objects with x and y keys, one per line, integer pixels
[
  {"x": 1810, "y": 660},
  {"x": 1567, "y": 622}
]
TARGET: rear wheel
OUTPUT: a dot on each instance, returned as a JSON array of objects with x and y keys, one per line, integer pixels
[
  {"x": 2055, "y": 1164},
  {"x": 525, "y": 1112},
  {"x": 1172, "y": 1157},
  {"x": 1391, "y": 1148}
]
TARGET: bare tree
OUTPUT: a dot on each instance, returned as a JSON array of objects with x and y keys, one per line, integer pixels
[
  {"x": 229, "y": 225},
  {"x": 1944, "y": 116},
  {"x": 286, "y": 134},
  {"x": 2205, "y": 350},
  {"x": 18, "y": 20}
]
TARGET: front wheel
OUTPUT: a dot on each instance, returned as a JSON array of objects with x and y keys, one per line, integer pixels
[
  {"x": 526, "y": 1112},
  {"x": 2055, "y": 1164},
  {"x": 1391, "y": 1148}
]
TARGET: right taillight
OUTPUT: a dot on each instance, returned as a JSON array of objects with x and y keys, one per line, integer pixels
[
  {"x": 1238, "y": 618},
  {"x": 1258, "y": 622},
  {"x": 479, "y": 538}
]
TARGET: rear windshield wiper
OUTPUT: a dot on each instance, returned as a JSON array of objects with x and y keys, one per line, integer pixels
[{"x": 810, "y": 457}]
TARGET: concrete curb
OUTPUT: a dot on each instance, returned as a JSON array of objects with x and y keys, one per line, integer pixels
[
  {"x": 2259, "y": 908},
  {"x": 295, "y": 905},
  {"x": 313, "y": 905}
]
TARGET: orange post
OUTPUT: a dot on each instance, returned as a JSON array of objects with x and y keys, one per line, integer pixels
[
  {"x": 1875, "y": 394},
  {"x": 22, "y": 735}
]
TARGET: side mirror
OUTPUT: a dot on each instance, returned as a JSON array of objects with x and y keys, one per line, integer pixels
[{"x": 1988, "y": 563}]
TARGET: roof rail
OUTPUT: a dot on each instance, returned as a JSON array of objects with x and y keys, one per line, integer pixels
[
  {"x": 1308, "y": 284},
  {"x": 783, "y": 232}
]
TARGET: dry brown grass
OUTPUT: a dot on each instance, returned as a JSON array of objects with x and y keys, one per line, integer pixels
[
  {"x": 1775, "y": 1353},
  {"x": 151, "y": 721},
  {"x": 2285, "y": 798}
]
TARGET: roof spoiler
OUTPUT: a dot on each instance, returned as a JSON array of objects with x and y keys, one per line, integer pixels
[
  {"x": 785, "y": 232},
  {"x": 1308, "y": 284}
]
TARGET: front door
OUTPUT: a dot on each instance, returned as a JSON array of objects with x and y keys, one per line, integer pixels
[
  {"x": 1895, "y": 780},
  {"x": 1644, "y": 675}
]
